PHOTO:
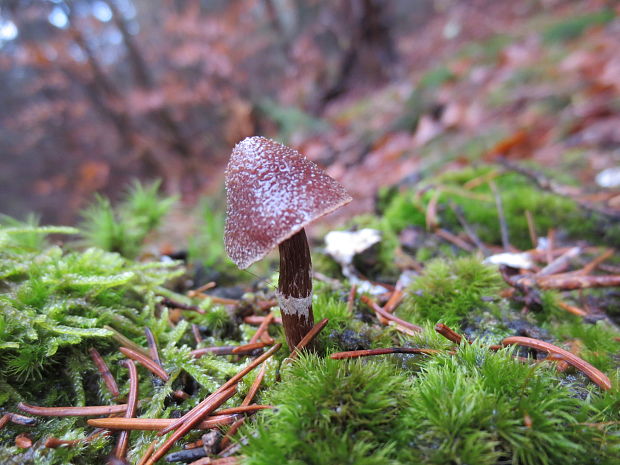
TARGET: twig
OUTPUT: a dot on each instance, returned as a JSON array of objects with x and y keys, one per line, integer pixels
[
  {"x": 560, "y": 263},
  {"x": 167, "y": 302},
  {"x": 150, "y": 341},
  {"x": 148, "y": 453},
  {"x": 503, "y": 226},
  {"x": 388, "y": 316},
  {"x": 392, "y": 350},
  {"x": 247, "y": 408},
  {"x": 454, "y": 239},
  {"x": 201, "y": 289},
  {"x": 432, "y": 221},
  {"x": 248, "y": 348},
  {"x": 531, "y": 228},
  {"x": 308, "y": 338},
  {"x": 264, "y": 326},
  {"x": 449, "y": 333},
  {"x": 4, "y": 420},
  {"x": 146, "y": 362},
  {"x": 104, "y": 371},
  {"x": 590, "y": 267},
  {"x": 22, "y": 420},
  {"x": 458, "y": 211},
  {"x": 196, "y": 333},
  {"x": 190, "y": 422},
  {"x": 72, "y": 411},
  {"x": 394, "y": 301},
  {"x": 231, "y": 382},
  {"x": 594, "y": 374},
  {"x": 122, "y": 443},
  {"x": 254, "y": 388},
  {"x": 220, "y": 461},
  {"x": 53, "y": 443},
  {"x": 572, "y": 309},
  {"x": 257, "y": 320},
  {"x": 351, "y": 299},
  {"x": 126, "y": 342},
  {"x": 157, "y": 424}
]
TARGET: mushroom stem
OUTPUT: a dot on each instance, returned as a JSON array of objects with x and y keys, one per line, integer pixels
[{"x": 295, "y": 288}]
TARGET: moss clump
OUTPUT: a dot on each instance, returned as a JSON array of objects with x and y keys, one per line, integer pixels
[
  {"x": 123, "y": 229},
  {"x": 475, "y": 406},
  {"x": 408, "y": 208},
  {"x": 488, "y": 408},
  {"x": 450, "y": 291},
  {"x": 332, "y": 412}
]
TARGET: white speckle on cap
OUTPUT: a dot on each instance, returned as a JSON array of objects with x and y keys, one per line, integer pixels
[{"x": 272, "y": 192}]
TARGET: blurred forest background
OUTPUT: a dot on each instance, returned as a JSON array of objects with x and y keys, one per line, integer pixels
[{"x": 95, "y": 93}]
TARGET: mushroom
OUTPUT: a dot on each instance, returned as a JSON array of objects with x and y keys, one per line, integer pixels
[{"x": 272, "y": 193}]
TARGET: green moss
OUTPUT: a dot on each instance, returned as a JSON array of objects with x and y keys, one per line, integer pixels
[
  {"x": 450, "y": 291},
  {"x": 123, "y": 229},
  {"x": 485, "y": 408},
  {"x": 575, "y": 26},
  {"x": 332, "y": 412}
]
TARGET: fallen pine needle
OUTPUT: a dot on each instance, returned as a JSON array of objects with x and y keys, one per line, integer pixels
[{"x": 598, "y": 377}]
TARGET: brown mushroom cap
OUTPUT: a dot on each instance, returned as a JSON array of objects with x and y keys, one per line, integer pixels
[{"x": 272, "y": 192}]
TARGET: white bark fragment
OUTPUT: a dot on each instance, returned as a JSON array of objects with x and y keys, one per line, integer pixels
[{"x": 295, "y": 305}]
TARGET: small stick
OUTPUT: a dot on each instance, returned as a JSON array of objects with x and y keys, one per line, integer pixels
[
  {"x": 448, "y": 236},
  {"x": 104, "y": 371},
  {"x": 432, "y": 222},
  {"x": 257, "y": 320},
  {"x": 183, "y": 429},
  {"x": 201, "y": 289},
  {"x": 264, "y": 326},
  {"x": 572, "y": 309},
  {"x": 402, "y": 329},
  {"x": 220, "y": 461},
  {"x": 594, "y": 374},
  {"x": 248, "y": 408},
  {"x": 449, "y": 333},
  {"x": 560, "y": 263},
  {"x": 308, "y": 338},
  {"x": 22, "y": 420},
  {"x": 54, "y": 443},
  {"x": 388, "y": 316},
  {"x": 146, "y": 362},
  {"x": 231, "y": 382},
  {"x": 148, "y": 453},
  {"x": 391, "y": 350},
  {"x": 126, "y": 342},
  {"x": 217, "y": 350},
  {"x": 458, "y": 211},
  {"x": 122, "y": 443},
  {"x": 245, "y": 404},
  {"x": 503, "y": 226},
  {"x": 577, "y": 282},
  {"x": 196, "y": 332},
  {"x": 217, "y": 300},
  {"x": 394, "y": 301},
  {"x": 150, "y": 341},
  {"x": 248, "y": 348},
  {"x": 204, "y": 408},
  {"x": 157, "y": 424},
  {"x": 254, "y": 388},
  {"x": 72, "y": 411},
  {"x": 480, "y": 180},
  {"x": 351, "y": 299},
  {"x": 4, "y": 420},
  {"x": 590, "y": 267},
  {"x": 550, "y": 245},
  {"x": 531, "y": 228},
  {"x": 226, "y": 440},
  {"x": 167, "y": 302}
]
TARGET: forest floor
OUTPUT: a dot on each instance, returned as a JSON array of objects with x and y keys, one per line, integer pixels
[{"x": 480, "y": 325}]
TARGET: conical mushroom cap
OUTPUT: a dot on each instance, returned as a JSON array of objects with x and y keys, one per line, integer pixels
[{"x": 272, "y": 192}]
